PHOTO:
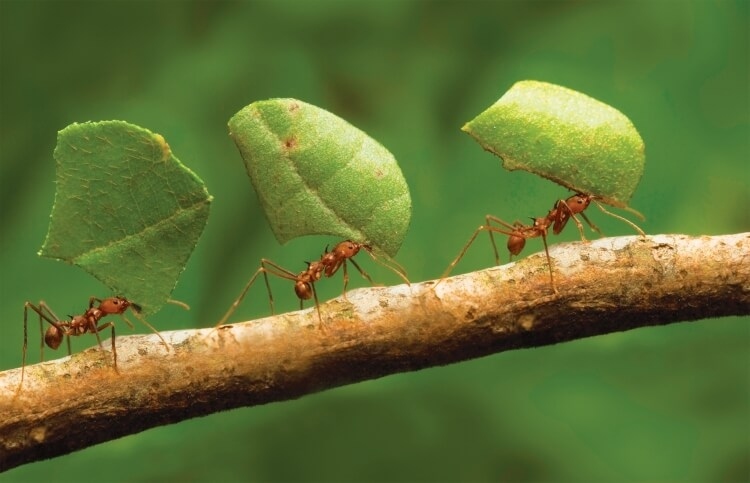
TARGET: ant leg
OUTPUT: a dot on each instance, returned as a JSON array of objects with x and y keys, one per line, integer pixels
[
  {"x": 346, "y": 281},
  {"x": 492, "y": 240},
  {"x": 147, "y": 324},
  {"x": 279, "y": 271},
  {"x": 111, "y": 326},
  {"x": 488, "y": 219},
  {"x": 26, "y": 340},
  {"x": 268, "y": 289},
  {"x": 579, "y": 225},
  {"x": 562, "y": 205},
  {"x": 591, "y": 224},
  {"x": 114, "y": 349},
  {"x": 41, "y": 332},
  {"x": 461, "y": 253},
  {"x": 95, "y": 330},
  {"x": 127, "y": 321},
  {"x": 635, "y": 212},
  {"x": 466, "y": 247},
  {"x": 364, "y": 274},
  {"x": 635, "y": 227},
  {"x": 244, "y": 291},
  {"x": 44, "y": 311},
  {"x": 272, "y": 268},
  {"x": 317, "y": 304},
  {"x": 178, "y": 303},
  {"x": 391, "y": 265},
  {"x": 549, "y": 263}
]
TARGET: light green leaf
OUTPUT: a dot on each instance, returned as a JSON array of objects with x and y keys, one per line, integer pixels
[
  {"x": 126, "y": 210},
  {"x": 565, "y": 136},
  {"x": 315, "y": 173}
]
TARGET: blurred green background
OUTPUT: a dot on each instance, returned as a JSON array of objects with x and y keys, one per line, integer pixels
[{"x": 658, "y": 404}]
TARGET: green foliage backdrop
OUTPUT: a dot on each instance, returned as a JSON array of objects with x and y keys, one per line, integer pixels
[{"x": 664, "y": 404}]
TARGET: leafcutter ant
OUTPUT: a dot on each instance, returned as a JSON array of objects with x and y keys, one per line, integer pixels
[
  {"x": 562, "y": 212},
  {"x": 77, "y": 325},
  {"x": 304, "y": 281}
]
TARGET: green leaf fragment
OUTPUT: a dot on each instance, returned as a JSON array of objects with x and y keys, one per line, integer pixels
[
  {"x": 316, "y": 174},
  {"x": 126, "y": 210},
  {"x": 565, "y": 136}
]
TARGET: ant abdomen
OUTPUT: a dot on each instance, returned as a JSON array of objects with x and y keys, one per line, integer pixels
[
  {"x": 53, "y": 337},
  {"x": 303, "y": 290},
  {"x": 516, "y": 244}
]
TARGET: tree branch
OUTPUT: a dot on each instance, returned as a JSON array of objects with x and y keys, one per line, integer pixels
[{"x": 610, "y": 285}]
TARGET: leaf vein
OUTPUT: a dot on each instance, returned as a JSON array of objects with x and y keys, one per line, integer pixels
[
  {"x": 307, "y": 187},
  {"x": 150, "y": 228}
]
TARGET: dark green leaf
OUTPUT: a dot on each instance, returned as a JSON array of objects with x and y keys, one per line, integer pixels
[
  {"x": 126, "y": 210},
  {"x": 317, "y": 174}
]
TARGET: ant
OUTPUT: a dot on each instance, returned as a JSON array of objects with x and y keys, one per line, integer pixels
[
  {"x": 80, "y": 324},
  {"x": 304, "y": 281},
  {"x": 562, "y": 212}
]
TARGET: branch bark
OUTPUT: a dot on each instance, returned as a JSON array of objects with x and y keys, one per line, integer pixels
[{"x": 610, "y": 285}]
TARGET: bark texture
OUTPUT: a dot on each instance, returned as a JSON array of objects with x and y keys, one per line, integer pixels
[{"x": 610, "y": 285}]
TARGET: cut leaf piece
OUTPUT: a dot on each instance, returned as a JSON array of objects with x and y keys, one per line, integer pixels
[
  {"x": 316, "y": 174},
  {"x": 126, "y": 210},
  {"x": 565, "y": 136}
]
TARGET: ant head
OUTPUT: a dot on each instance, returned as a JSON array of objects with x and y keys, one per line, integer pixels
[
  {"x": 303, "y": 290},
  {"x": 116, "y": 305},
  {"x": 579, "y": 202},
  {"x": 53, "y": 337},
  {"x": 347, "y": 249}
]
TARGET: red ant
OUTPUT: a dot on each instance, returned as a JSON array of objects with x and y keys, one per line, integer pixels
[
  {"x": 304, "y": 281},
  {"x": 558, "y": 217},
  {"x": 80, "y": 324}
]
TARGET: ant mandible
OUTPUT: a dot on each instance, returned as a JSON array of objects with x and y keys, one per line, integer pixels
[
  {"x": 79, "y": 324},
  {"x": 304, "y": 281},
  {"x": 562, "y": 212}
]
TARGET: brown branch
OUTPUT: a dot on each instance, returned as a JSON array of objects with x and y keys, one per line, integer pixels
[{"x": 610, "y": 285}]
